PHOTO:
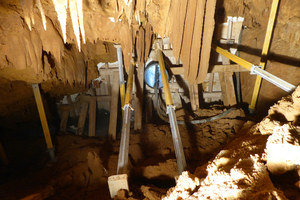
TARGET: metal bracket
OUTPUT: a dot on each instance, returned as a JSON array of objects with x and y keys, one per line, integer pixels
[{"x": 252, "y": 70}]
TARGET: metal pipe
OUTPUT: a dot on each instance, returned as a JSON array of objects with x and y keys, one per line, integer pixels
[
  {"x": 40, "y": 106},
  {"x": 181, "y": 163},
  {"x": 273, "y": 79},
  {"x": 124, "y": 146},
  {"x": 264, "y": 53}
]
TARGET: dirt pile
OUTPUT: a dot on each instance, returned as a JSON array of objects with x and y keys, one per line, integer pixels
[
  {"x": 84, "y": 164},
  {"x": 248, "y": 167}
]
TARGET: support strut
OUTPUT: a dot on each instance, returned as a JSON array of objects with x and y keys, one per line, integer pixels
[
  {"x": 120, "y": 181},
  {"x": 181, "y": 162},
  {"x": 40, "y": 106}
]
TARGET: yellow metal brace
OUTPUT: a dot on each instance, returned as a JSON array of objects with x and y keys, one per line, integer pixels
[
  {"x": 232, "y": 57},
  {"x": 264, "y": 53},
  {"x": 122, "y": 96},
  {"x": 167, "y": 92},
  {"x": 40, "y": 106},
  {"x": 128, "y": 95}
]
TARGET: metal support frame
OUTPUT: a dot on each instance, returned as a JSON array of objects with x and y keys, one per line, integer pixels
[
  {"x": 40, "y": 106},
  {"x": 120, "y": 181},
  {"x": 256, "y": 70}
]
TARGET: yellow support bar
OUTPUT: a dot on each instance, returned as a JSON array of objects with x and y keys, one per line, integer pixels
[
  {"x": 122, "y": 96},
  {"x": 265, "y": 51},
  {"x": 128, "y": 96},
  {"x": 233, "y": 57},
  {"x": 40, "y": 106},
  {"x": 168, "y": 96}
]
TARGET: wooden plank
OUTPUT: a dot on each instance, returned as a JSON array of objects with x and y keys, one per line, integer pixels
[
  {"x": 223, "y": 88},
  {"x": 188, "y": 35},
  {"x": 138, "y": 106},
  {"x": 215, "y": 95},
  {"x": 213, "y": 69},
  {"x": 208, "y": 30},
  {"x": 194, "y": 96},
  {"x": 196, "y": 44},
  {"x": 92, "y": 117},
  {"x": 227, "y": 68},
  {"x": 82, "y": 118},
  {"x": 177, "y": 70},
  {"x": 210, "y": 84},
  {"x": 72, "y": 109},
  {"x": 222, "y": 79},
  {"x": 99, "y": 98},
  {"x": 230, "y": 88},
  {"x": 112, "y": 130},
  {"x": 64, "y": 121},
  {"x": 149, "y": 110}
]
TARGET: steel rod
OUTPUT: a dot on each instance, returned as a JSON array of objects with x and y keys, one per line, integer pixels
[{"x": 124, "y": 146}]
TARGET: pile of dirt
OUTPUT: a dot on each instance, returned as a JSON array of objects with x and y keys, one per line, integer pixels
[
  {"x": 261, "y": 163},
  {"x": 84, "y": 164}
]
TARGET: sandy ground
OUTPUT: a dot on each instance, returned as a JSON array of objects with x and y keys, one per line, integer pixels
[
  {"x": 84, "y": 164},
  {"x": 227, "y": 159}
]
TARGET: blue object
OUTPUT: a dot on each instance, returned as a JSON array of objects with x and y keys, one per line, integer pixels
[{"x": 153, "y": 76}]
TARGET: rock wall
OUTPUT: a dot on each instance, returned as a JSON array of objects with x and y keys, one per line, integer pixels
[{"x": 283, "y": 59}]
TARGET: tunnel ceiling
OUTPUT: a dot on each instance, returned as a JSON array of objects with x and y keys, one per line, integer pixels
[{"x": 31, "y": 54}]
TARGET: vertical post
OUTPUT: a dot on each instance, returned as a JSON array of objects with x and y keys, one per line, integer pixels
[
  {"x": 92, "y": 116},
  {"x": 264, "y": 53},
  {"x": 230, "y": 88},
  {"x": 73, "y": 111},
  {"x": 40, "y": 106},
  {"x": 82, "y": 118},
  {"x": 64, "y": 121},
  {"x": 112, "y": 130},
  {"x": 194, "y": 96},
  {"x": 138, "y": 107}
]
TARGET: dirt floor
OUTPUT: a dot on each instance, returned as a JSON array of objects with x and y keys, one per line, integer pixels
[{"x": 230, "y": 158}]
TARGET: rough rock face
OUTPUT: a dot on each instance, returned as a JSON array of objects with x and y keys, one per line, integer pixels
[
  {"x": 60, "y": 42},
  {"x": 283, "y": 58},
  {"x": 245, "y": 168}
]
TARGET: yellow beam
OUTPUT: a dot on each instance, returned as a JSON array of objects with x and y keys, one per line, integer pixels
[
  {"x": 265, "y": 51},
  {"x": 40, "y": 106},
  {"x": 167, "y": 92},
  {"x": 233, "y": 57},
  {"x": 128, "y": 95},
  {"x": 122, "y": 96}
]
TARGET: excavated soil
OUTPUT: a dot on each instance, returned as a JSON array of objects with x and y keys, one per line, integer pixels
[
  {"x": 226, "y": 158},
  {"x": 84, "y": 164}
]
